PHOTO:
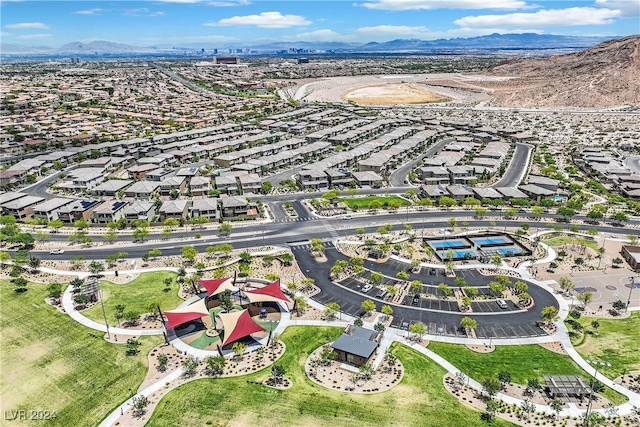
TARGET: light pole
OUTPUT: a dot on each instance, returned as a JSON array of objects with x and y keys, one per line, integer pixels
[
  {"x": 631, "y": 286},
  {"x": 104, "y": 313},
  {"x": 587, "y": 414}
]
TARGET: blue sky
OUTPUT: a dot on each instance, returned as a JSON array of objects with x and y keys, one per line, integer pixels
[{"x": 244, "y": 22}]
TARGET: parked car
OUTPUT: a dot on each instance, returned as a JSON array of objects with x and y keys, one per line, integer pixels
[
  {"x": 56, "y": 251},
  {"x": 502, "y": 304},
  {"x": 347, "y": 217},
  {"x": 366, "y": 288},
  {"x": 381, "y": 293},
  {"x": 433, "y": 272},
  {"x": 415, "y": 300}
]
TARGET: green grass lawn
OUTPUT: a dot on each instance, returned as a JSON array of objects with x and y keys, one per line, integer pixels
[
  {"x": 50, "y": 362},
  {"x": 566, "y": 240},
  {"x": 521, "y": 361},
  {"x": 365, "y": 202},
  {"x": 136, "y": 296},
  {"x": 616, "y": 342},
  {"x": 420, "y": 399}
]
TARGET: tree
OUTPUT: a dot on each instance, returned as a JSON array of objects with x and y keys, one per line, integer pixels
[
  {"x": 266, "y": 187},
  {"x": 189, "y": 253},
  {"x": 557, "y": 405},
  {"x": 139, "y": 406},
  {"x": 549, "y": 314},
  {"x": 225, "y": 228},
  {"x": 595, "y": 325},
  {"x": 521, "y": 287},
  {"x": 225, "y": 301},
  {"x": 447, "y": 201},
  {"x": 471, "y": 291},
  {"x": 331, "y": 309},
  {"x": 20, "y": 284},
  {"x": 496, "y": 260},
  {"x": 110, "y": 236},
  {"x": 491, "y": 386},
  {"x": 480, "y": 212},
  {"x": 504, "y": 377},
  {"x": 452, "y": 223},
  {"x": 163, "y": 362},
  {"x": 238, "y": 349},
  {"x": 327, "y": 355},
  {"x": 189, "y": 366},
  {"x": 418, "y": 329},
  {"x": 497, "y": 288},
  {"x": 585, "y": 298},
  {"x": 199, "y": 221},
  {"x": 402, "y": 275},
  {"x": 277, "y": 373},
  {"x": 468, "y": 324},
  {"x": 416, "y": 287},
  {"x": 140, "y": 233},
  {"x": 131, "y": 318},
  {"x": 96, "y": 268},
  {"x": 445, "y": 290},
  {"x": 367, "y": 306},
  {"x": 54, "y": 291},
  {"x": 81, "y": 224},
  {"x": 386, "y": 310},
  {"x": 566, "y": 285},
  {"x": 34, "y": 263},
  {"x": 619, "y": 218},
  {"x": 366, "y": 371},
  {"x": 154, "y": 253},
  {"x": 214, "y": 365}
]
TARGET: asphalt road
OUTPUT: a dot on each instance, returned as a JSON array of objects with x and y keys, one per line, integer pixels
[
  {"x": 517, "y": 167},
  {"x": 399, "y": 176},
  {"x": 500, "y": 324},
  {"x": 284, "y": 233}
]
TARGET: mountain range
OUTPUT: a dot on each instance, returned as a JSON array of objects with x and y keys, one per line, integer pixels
[{"x": 529, "y": 41}]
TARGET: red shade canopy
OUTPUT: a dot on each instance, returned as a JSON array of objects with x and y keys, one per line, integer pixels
[
  {"x": 216, "y": 286},
  {"x": 238, "y": 324},
  {"x": 184, "y": 314},
  {"x": 271, "y": 292}
]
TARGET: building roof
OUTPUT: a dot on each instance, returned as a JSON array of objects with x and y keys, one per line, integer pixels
[
  {"x": 511, "y": 192},
  {"x": 237, "y": 325},
  {"x": 113, "y": 185},
  {"x": 366, "y": 176},
  {"x": 270, "y": 292},
  {"x": 143, "y": 187},
  {"x": 185, "y": 314},
  {"x": 216, "y": 286},
  {"x": 22, "y": 202},
  {"x": 360, "y": 342},
  {"x": 52, "y": 204}
]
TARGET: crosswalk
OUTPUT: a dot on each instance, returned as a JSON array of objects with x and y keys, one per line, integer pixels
[
  {"x": 332, "y": 231},
  {"x": 293, "y": 219},
  {"x": 305, "y": 245}
]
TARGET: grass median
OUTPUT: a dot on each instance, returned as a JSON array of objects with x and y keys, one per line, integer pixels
[
  {"x": 523, "y": 362},
  {"x": 420, "y": 399},
  {"x": 136, "y": 296},
  {"x": 368, "y": 202},
  {"x": 51, "y": 363}
]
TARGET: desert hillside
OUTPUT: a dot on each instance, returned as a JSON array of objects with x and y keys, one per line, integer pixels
[{"x": 605, "y": 75}]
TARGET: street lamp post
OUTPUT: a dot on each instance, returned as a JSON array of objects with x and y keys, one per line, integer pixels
[
  {"x": 587, "y": 414},
  {"x": 104, "y": 313},
  {"x": 631, "y": 286}
]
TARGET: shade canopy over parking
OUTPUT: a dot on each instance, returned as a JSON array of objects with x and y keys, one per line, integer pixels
[
  {"x": 269, "y": 293},
  {"x": 185, "y": 314},
  {"x": 237, "y": 325},
  {"x": 217, "y": 286}
]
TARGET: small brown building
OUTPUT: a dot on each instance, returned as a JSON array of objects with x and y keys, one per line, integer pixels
[
  {"x": 356, "y": 345},
  {"x": 631, "y": 254}
]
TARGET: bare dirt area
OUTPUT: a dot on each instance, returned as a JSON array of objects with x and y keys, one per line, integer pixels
[{"x": 394, "y": 93}]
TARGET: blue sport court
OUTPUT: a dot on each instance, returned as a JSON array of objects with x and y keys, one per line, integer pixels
[
  {"x": 491, "y": 241},
  {"x": 449, "y": 244}
]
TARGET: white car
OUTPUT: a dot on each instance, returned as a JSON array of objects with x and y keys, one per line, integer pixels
[
  {"x": 366, "y": 288},
  {"x": 56, "y": 251}
]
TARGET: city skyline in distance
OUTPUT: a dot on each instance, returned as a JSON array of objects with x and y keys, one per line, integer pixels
[{"x": 166, "y": 23}]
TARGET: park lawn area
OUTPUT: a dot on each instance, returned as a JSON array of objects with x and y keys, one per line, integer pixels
[
  {"x": 365, "y": 202},
  {"x": 50, "y": 362},
  {"x": 567, "y": 240},
  {"x": 420, "y": 399},
  {"x": 523, "y": 362},
  {"x": 136, "y": 296},
  {"x": 616, "y": 342}
]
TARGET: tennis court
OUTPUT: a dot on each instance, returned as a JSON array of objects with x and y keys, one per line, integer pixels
[
  {"x": 491, "y": 241},
  {"x": 449, "y": 244}
]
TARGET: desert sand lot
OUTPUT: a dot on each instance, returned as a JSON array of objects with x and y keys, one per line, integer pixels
[{"x": 393, "y": 89}]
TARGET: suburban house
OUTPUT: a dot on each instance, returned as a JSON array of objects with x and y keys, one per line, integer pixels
[
  {"x": 142, "y": 189},
  {"x": 111, "y": 210},
  {"x": 207, "y": 207},
  {"x": 237, "y": 207},
  {"x": 313, "y": 179},
  {"x": 21, "y": 208},
  {"x": 356, "y": 346},
  {"x": 79, "y": 209},
  {"x": 175, "y": 209},
  {"x": 227, "y": 184},
  {"x": 48, "y": 210},
  {"x": 111, "y": 187},
  {"x": 178, "y": 183},
  {"x": 200, "y": 185},
  {"x": 140, "y": 210},
  {"x": 368, "y": 179},
  {"x": 250, "y": 182}
]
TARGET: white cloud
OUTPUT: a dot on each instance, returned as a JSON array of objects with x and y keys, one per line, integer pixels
[
  {"x": 157, "y": 14},
  {"x": 92, "y": 11},
  {"x": 542, "y": 18},
  {"x": 321, "y": 36},
  {"x": 445, "y": 4},
  {"x": 5, "y": 34},
  {"x": 33, "y": 36},
  {"x": 395, "y": 30},
  {"x": 135, "y": 12},
  {"x": 230, "y": 3},
  {"x": 626, "y": 7},
  {"x": 27, "y": 26},
  {"x": 264, "y": 20}
]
